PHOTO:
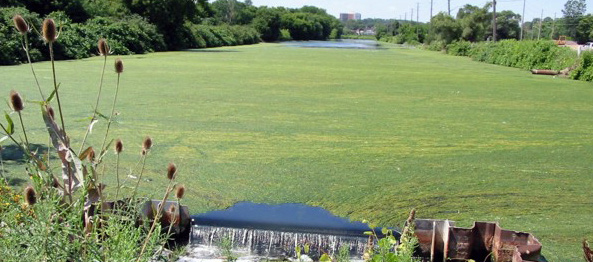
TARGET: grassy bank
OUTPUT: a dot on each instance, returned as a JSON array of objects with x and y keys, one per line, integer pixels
[{"x": 368, "y": 134}]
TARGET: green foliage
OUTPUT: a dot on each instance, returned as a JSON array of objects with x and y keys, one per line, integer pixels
[
  {"x": 224, "y": 35},
  {"x": 226, "y": 248},
  {"x": 130, "y": 35},
  {"x": 343, "y": 254},
  {"x": 389, "y": 249},
  {"x": 58, "y": 222},
  {"x": 11, "y": 51},
  {"x": 47, "y": 231},
  {"x": 584, "y": 31},
  {"x": 364, "y": 37},
  {"x": 524, "y": 54},
  {"x": 307, "y": 26},
  {"x": 573, "y": 11},
  {"x": 401, "y": 33},
  {"x": 106, "y": 8},
  {"x": 169, "y": 16},
  {"x": 459, "y": 48},
  {"x": 445, "y": 28},
  {"x": 584, "y": 70},
  {"x": 127, "y": 35},
  {"x": 438, "y": 45},
  {"x": 268, "y": 23},
  {"x": 474, "y": 22}
]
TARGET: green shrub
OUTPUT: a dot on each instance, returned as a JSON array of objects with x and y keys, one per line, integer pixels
[
  {"x": 436, "y": 45},
  {"x": 224, "y": 35},
  {"x": 70, "y": 219},
  {"x": 130, "y": 35},
  {"x": 524, "y": 54},
  {"x": 285, "y": 35},
  {"x": 584, "y": 70},
  {"x": 11, "y": 51},
  {"x": 459, "y": 48}
]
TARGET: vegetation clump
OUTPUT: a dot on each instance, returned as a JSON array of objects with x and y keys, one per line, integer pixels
[{"x": 72, "y": 219}]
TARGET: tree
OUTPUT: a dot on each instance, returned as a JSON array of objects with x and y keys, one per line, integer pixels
[
  {"x": 73, "y": 8},
  {"x": 226, "y": 10},
  {"x": 573, "y": 11},
  {"x": 474, "y": 22},
  {"x": 507, "y": 25},
  {"x": 268, "y": 23},
  {"x": 584, "y": 30},
  {"x": 169, "y": 16},
  {"x": 445, "y": 28}
]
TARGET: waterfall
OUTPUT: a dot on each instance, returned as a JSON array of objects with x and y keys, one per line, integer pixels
[{"x": 271, "y": 244}]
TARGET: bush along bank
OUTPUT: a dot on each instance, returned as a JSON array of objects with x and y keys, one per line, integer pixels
[
  {"x": 527, "y": 55},
  {"x": 131, "y": 34}
]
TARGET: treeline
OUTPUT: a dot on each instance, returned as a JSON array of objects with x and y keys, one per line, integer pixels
[
  {"x": 134, "y": 26},
  {"x": 474, "y": 24}
]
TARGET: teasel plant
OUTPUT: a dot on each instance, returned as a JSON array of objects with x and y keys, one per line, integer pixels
[
  {"x": 171, "y": 176},
  {"x": 104, "y": 51},
  {"x": 119, "y": 147},
  {"x": 146, "y": 146},
  {"x": 587, "y": 251},
  {"x": 23, "y": 28},
  {"x": 80, "y": 170}
]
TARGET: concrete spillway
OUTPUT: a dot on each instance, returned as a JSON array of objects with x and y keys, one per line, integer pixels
[{"x": 262, "y": 231}]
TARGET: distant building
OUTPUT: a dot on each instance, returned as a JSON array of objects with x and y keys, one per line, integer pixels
[{"x": 350, "y": 16}]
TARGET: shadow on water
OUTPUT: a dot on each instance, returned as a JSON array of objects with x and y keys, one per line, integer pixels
[
  {"x": 16, "y": 154},
  {"x": 211, "y": 50},
  {"x": 15, "y": 181}
]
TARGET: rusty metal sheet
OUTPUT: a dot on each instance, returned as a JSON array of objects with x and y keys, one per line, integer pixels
[{"x": 479, "y": 242}]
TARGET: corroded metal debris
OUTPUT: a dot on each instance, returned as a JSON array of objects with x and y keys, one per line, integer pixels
[{"x": 441, "y": 241}]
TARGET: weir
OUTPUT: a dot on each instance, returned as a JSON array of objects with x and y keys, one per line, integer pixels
[{"x": 262, "y": 231}]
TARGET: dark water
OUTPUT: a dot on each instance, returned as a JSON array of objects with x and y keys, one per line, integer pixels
[
  {"x": 283, "y": 217},
  {"x": 343, "y": 44}
]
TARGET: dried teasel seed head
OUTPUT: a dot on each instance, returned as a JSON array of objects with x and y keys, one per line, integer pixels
[
  {"x": 103, "y": 47},
  {"x": 119, "y": 146},
  {"x": 30, "y": 195},
  {"x": 171, "y": 171},
  {"x": 55, "y": 183},
  {"x": 49, "y": 30},
  {"x": 146, "y": 144},
  {"x": 91, "y": 156},
  {"x": 50, "y": 112},
  {"x": 16, "y": 101},
  {"x": 119, "y": 66},
  {"x": 20, "y": 24},
  {"x": 172, "y": 214},
  {"x": 180, "y": 192}
]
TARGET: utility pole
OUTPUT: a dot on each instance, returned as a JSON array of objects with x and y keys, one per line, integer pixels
[
  {"x": 430, "y": 10},
  {"x": 494, "y": 21},
  {"x": 406, "y": 17},
  {"x": 553, "y": 27},
  {"x": 417, "y": 12},
  {"x": 430, "y": 20},
  {"x": 449, "y": 6},
  {"x": 523, "y": 20},
  {"x": 540, "y": 25},
  {"x": 412, "y": 16}
]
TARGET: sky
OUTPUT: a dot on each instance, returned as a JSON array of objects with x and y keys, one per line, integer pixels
[{"x": 398, "y": 8}]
